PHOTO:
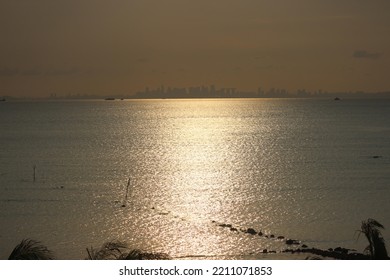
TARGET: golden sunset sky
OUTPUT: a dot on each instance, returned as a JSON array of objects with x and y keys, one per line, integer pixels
[{"x": 122, "y": 46}]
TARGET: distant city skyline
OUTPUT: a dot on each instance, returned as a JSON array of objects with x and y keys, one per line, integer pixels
[
  {"x": 104, "y": 47},
  {"x": 214, "y": 91},
  {"x": 226, "y": 92},
  {"x": 205, "y": 91}
]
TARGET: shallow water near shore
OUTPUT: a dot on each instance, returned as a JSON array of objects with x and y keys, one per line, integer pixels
[{"x": 304, "y": 169}]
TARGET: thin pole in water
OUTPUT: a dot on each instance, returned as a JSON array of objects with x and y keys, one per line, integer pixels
[
  {"x": 34, "y": 169},
  {"x": 127, "y": 192}
]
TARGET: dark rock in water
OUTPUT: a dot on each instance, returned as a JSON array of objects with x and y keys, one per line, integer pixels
[
  {"x": 341, "y": 250},
  {"x": 265, "y": 251},
  {"x": 213, "y": 221},
  {"x": 331, "y": 254},
  {"x": 280, "y": 237},
  {"x": 304, "y": 246},
  {"x": 260, "y": 233},
  {"x": 376, "y": 156},
  {"x": 272, "y": 252},
  {"x": 289, "y": 251},
  {"x": 292, "y": 242},
  {"x": 225, "y": 225},
  {"x": 233, "y": 229},
  {"x": 330, "y": 249},
  {"x": 251, "y": 231},
  {"x": 272, "y": 236}
]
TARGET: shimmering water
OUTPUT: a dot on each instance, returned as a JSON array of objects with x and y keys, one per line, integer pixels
[{"x": 310, "y": 170}]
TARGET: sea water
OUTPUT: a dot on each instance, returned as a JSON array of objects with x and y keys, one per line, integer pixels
[{"x": 305, "y": 169}]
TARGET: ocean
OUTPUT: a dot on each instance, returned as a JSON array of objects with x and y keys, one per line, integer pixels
[{"x": 197, "y": 173}]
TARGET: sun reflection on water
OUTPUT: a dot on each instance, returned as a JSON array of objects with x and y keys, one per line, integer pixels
[{"x": 204, "y": 167}]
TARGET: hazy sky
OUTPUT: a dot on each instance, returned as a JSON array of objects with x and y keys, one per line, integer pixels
[{"x": 121, "y": 46}]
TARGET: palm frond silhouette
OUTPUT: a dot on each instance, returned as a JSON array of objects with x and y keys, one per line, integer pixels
[
  {"x": 376, "y": 248},
  {"x": 29, "y": 249},
  {"x": 116, "y": 250}
]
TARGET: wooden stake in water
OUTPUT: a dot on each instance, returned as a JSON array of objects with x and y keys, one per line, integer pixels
[
  {"x": 34, "y": 169},
  {"x": 127, "y": 192}
]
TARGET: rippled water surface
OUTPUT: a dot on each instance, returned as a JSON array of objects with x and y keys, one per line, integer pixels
[{"x": 310, "y": 170}]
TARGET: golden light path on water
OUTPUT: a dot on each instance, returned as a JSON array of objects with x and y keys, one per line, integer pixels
[
  {"x": 200, "y": 177},
  {"x": 202, "y": 148}
]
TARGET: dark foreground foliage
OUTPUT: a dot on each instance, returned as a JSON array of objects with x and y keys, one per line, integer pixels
[
  {"x": 377, "y": 247},
  {"x": 29, "y": 249},
  {"x": 119, "y": 251}
]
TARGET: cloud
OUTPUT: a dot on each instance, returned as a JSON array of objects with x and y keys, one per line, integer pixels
[
  {"x": 31, "y": 72},
  {"x": 62, "y": 72},
  {"x": 366, "y": 54},
  {"x": 264, "y": 67},
  {"x": 142, "y": 60},
  {"x": 8, "y": 72}
]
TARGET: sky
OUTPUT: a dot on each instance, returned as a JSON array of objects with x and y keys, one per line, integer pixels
[{"x": 121, "y": 46}]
